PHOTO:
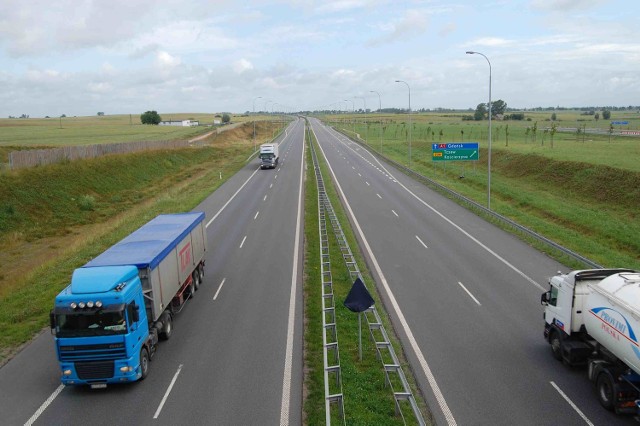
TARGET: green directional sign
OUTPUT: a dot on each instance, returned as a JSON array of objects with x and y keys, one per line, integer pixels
[{"x": 455, "y": 151}]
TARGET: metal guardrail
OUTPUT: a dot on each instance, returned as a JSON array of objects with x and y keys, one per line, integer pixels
[
  {"x": 331, "y": 355},
  {"x": 394, "y": 375},
  {"x": 496, "y": 216}
]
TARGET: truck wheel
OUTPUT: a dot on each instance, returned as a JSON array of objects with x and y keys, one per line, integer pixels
[
  {"x": 167, "y": 327},
  {"x": 556, "y": 345},
  {"x": 605, "y": 387},
  {"x": 144, "y": 363},
  {"x": 201, "y": 272},
  {"x": 195, "y": 280}
]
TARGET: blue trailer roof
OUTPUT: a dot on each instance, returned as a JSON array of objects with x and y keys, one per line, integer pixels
[{"x": 149, "y": 244}]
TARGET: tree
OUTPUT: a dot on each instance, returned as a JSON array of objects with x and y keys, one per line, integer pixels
[
  {"x": 596, "y": 116},
  {"x": 100, "y": 114},
  {"x": 226, "y": 118},
  {"x": 606, "y": 114},
  {"x": 498, "y": 107},
  {"x": 553, "y": 117},
  {"x": 150, "y": 117},
  {"x": 481, "y": 111}
]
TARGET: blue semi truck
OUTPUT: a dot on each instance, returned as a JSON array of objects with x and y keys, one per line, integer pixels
[{"x": 108, "y": 321}]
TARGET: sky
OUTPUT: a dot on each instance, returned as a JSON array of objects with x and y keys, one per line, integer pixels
[{"x": 81, "y": 57}]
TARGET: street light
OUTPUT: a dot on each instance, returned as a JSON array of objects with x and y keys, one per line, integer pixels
[
  {"x": 379, "y": 111},
  {"x": 400, "y": 81},
  {"x": 353, "y": 111},
  {"x": 254, "y": 122},
  {"x": 366, "y": 138},
  {"x": 489, "y": 156}
]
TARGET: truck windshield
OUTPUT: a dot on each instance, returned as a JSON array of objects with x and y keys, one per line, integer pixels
[
  {"x": 82, "y": 324},
  {"x": 266, "y": 156}
]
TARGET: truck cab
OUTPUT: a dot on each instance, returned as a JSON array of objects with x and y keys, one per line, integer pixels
[{"x": 100, "y": 326}]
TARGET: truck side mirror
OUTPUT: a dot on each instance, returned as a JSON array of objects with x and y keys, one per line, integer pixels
[
  {"x": 544, "y": 298},
  {"x": 52, "y": 322}
]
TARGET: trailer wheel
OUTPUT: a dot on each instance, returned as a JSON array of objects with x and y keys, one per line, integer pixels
[
  {"x": 167, "y": 327},
  {"x": 556, "y": 345},
  {"x": 605, "y": 387},
  {"x": 196, "y": 280},
  {"x": 201, "y": 272},
  {"x": 144, "y": 363}
]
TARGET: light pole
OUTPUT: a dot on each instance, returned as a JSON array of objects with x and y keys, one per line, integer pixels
[
  {"x": 400, "y": 81},
  {"x": 489, "y": 156},
  {"x": 353, "y": 111},
  {"x": 254, "y": 122},
  {"x": 366, "y": 129},
  {"x": 379, "y": 112}
]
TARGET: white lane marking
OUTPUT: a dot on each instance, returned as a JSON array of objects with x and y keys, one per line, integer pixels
[
  {"x": 243, "y": 240},
  {"x": 379, "y": 196},
  {"x": 471, "y": 237},
  {"x": 580, "y": 413},
  {"x": 396, "y": 307},
  {"x": 44, "y": 406},
  {"x": 286, "y": 380},
  {"x": 275, "y": 177},
  {"x": 368, "y": 184},
  {"x": 279, "y": 168},
  {"x": 215, "y": 296},
  {"x": 394, "y": 212},
  {"x": 265, "y": 198},
  {"x": 359, "y": 175},
  {"x": 469, "y": 293},
  {"x": 421, "y": 242},
  {"x": 231, "y": 199},
  {"x": 270, "y": 186},
  {"x": 166, "y": 394},
  {"x": 257, "y": 213}
]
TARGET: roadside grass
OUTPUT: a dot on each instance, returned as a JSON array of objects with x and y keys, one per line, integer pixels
[
  {"x": 47, "y": 233},
  {"x": 367, "y": 399},
  {"x": 588, "y": 203}
]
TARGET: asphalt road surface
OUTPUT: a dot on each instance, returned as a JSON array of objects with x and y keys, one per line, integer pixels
[
  {"x": 235, "y": 357},
  {"x": 464, "y": 297}
]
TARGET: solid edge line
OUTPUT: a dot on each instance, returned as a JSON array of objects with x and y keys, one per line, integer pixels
[
  {"x": 405, "y": 326},
  {"x": 44, "y": 406},
  {"x": 166, "y": 394},
  {"x": 574, "y": 406},
  {"x": 286, "y": 380}
]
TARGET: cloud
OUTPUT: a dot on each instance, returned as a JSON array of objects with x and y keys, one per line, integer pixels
[
  {"x": 562, "y": 6},
  {"x": 242, "y": 65},
  {"x": 413, "y": 23},
  {"x": 164, "y": 59}
]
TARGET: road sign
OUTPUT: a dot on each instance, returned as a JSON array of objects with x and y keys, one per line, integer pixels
[
  {"x": 620, "y": 122},
  {"x": 455, "y": 151}
]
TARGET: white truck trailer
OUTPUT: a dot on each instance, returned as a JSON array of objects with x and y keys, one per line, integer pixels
[
  {"x": 269, "y": 156},
  {"x": 592, "y": 317}
]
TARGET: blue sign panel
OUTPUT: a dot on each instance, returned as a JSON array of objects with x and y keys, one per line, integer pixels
[{"x": 620, "y": 122}]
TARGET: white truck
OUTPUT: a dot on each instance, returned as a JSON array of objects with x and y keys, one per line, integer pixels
[
  {"x": 269, "y": 155},
  {"x": 592, "y": 317}
]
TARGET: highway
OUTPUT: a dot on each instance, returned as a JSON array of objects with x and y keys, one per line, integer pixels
[
  {"x": 464, "y": 297},
  {"x": 235, "y": 357}
]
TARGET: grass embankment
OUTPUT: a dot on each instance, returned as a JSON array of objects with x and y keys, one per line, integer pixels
[
  {"x": 53, "y": 219},
  {"x": 367, "y": 401},
  {"x": 583, "y": 195}
]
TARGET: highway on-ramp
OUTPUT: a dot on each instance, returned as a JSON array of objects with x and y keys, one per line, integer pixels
[
  {"x": 235, "y": 357},
  {"x": 464, "y": 297}
]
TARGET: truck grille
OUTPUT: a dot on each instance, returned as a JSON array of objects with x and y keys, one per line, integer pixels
[
  {"x": 94, "y": 370},
  {"x": 107, "y": 351}
]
